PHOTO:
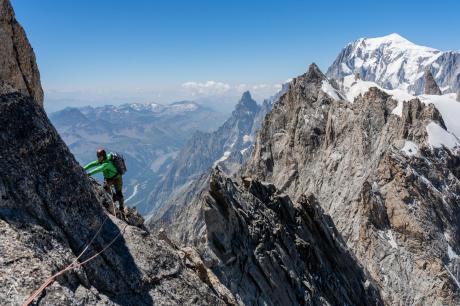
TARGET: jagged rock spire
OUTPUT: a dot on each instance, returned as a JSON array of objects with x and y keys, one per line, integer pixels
[
  {"x": 18, "y": 68},
  {"x": 315, "y": 73},
  {"x": 246, "y": 95},
  {"x": 431, "y": 87},
  {"x": 313, "y": 76},
  {"x": 247, "y": 102}
]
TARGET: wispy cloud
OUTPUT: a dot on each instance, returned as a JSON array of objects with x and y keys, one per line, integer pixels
[
  {"x": 206, "y": 88},
  {"x": 212, "y": 88}
]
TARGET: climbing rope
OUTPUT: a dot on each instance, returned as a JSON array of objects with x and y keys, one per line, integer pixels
[{"x": 75, "y": 263}]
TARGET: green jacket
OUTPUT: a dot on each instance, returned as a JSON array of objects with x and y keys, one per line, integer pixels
[{"x": 106, "y": 167}]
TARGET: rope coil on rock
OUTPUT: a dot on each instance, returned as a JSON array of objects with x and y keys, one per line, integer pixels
[{"x": 75, "y": 263}]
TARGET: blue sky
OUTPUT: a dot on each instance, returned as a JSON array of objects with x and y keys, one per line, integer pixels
[{"x": 120, "y": 51}]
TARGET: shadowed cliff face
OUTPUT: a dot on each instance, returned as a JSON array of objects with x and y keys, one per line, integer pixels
[
  {"x": 270, "y": 250},
  {"x": 18, "y": 68},
  {"x": 49, "y": 210}
]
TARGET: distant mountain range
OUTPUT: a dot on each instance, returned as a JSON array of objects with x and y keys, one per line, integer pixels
[{"x": 149, "y": 135}]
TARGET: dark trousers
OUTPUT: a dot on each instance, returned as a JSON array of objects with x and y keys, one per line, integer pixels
[{"x": 117, "y": 183}]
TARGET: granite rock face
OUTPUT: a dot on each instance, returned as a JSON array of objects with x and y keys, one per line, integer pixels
[
  {"x": 49, "y": 210},
  {"x": 431, "y": 88},
  {"x": 395, "y": 208},
  {"x": 18, "y": 67}
]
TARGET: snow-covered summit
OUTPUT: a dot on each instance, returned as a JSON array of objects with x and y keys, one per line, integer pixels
[
  {"x": 394, "y": 62},
  {"x": 396, "y": 41}
]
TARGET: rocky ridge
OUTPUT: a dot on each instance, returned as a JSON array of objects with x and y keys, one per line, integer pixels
[{"x": 390, "y": 189}]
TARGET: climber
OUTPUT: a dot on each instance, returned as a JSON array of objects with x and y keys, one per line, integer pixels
[{"x": 112, "y": 175}]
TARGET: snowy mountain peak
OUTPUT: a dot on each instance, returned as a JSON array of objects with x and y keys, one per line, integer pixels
[
  {"x": 394, "y": 36},
  {"x": 393, "y": 40},
  {"x": 394, "y": 62}
]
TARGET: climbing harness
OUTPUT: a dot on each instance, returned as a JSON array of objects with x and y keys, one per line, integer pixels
[{"x": 75, "y": 263}]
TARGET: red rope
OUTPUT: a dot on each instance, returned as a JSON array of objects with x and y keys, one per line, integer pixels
[{"x": 74, "y": 264}]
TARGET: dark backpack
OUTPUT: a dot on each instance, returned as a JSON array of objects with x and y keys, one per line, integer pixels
[{"x": 119, "y": 162}]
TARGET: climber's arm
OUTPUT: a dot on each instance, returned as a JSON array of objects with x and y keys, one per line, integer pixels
[
  {"x": 91, "y": 165},
  {"x": 98, "y": 169}
]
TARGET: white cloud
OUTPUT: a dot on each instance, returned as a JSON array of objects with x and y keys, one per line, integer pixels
[
  {"x": 223, "y": 95},
  {"x": 242, "y": 87},
  {"x": 206, "y": 88},
  {"x": 216, "y": 88},
  {"x": 259, "y": 86}
]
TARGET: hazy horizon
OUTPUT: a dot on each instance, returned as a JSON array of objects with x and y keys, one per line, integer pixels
[{"x": 111, "y": 52}]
